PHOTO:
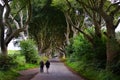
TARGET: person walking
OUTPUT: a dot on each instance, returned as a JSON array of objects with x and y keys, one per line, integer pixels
[
  {"x": 41, "y": 66},
  {"x": 47, "y": 65}
]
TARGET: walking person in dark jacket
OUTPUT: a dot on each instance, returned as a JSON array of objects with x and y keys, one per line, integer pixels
[
  {"x": 47, "y": 65},
  {"x": 41, "y": 66}
]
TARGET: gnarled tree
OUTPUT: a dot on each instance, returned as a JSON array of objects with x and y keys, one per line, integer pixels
[
  {"x": 9, "y": 22},
  {"x": 110, "y": 14}
]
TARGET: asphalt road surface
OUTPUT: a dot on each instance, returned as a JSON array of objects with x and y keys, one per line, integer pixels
[{"x": 57, "y": 71}]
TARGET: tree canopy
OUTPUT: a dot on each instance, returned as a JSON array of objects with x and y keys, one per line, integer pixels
[{"x": 47, "y": 26}]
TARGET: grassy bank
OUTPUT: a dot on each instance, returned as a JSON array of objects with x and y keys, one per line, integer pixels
[
  {"x": 91, "y": 73},
  {"x": 20, "y": 64},
  {"x": 12, "y": 74}
]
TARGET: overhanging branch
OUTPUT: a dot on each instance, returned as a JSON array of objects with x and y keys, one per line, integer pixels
[
  {"x": 14, "y": 34},
  {"x": 118, "y": 22}
]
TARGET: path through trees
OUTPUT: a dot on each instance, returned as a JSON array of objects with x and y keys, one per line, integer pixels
[{"x": 57, "y": 71}]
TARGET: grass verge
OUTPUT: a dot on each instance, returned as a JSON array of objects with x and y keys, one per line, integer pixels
[{"x": 90, "y": 73}]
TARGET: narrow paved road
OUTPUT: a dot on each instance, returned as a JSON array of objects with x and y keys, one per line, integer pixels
[{"x": 57, "y": 71}]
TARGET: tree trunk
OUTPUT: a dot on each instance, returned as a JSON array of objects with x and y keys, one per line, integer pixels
[
  {"x": 75, "y": 32},
  {"x": 39, "y": 49},
  {"x": 67, "y": 34},
  {"x": 113, "y": 48},
  {"x": 4, "y": 50},
  {"x": 3, "y": 44}
]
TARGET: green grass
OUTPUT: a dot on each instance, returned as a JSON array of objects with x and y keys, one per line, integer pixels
[
  {"x": 90, "y": 73},
  {"x": 8, "y": 75},
  {"x": 13, "y": 51},
  {"x": 12, "y": 74},
  {"x": 26, "y": 66}
]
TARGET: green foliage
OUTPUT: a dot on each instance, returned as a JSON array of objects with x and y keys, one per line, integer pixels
[
  {"x": 69, "y": 48},
  {"x": 13, "y": 52},
  {"x": 7, "y": 62},
  {"x": 86, "y": 58},
  {"x": 60, "y": 4},
  {"x": 26, "y": 66},
  {"x": 63, "y": 5},
  {"x": 90, "y": 73},
  {"x": 99, "y": 52},
  {"x": 17, "y": 6},
  {"x": 28, "y": 49},
  {"x": 15, "y": 62},
  {"x": 12, "y": 74},
  {"x": 99, "y": 48},
  {"x": 8, "y": 75},
  {"x": 42, "y": 28},
  {"x": 42, "y": 3},
  {"x": 104, "y": 75},
  {"x": 80, "y": 49},
  {"x": 19, "y": 59}
]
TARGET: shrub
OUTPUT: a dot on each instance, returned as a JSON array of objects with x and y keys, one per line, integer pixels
[
  {"x": 18, "y": 58},
  {"x": 90, "y": 60},
  {"x": 28, "y": 49},
  {"x": 80, "y": 49},
  {"x": 7, "y": 62},
  {"x": 69, "y": 48},
  {"x": 8, "y": 75}
]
